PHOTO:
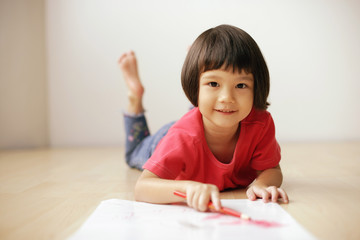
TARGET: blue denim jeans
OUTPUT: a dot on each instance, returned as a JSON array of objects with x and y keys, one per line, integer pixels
[{"x": 140, "y": 144}]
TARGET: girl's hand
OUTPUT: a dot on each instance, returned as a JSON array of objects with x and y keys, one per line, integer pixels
[
  {"x": 198, "y": 196},
  {"x": 266, "y": 193}
]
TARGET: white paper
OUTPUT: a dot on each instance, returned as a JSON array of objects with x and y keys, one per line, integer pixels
[{"x": 122, "y": 219}]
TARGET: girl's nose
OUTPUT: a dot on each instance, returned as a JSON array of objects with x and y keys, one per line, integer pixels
[{"x": 226, "y": 96}]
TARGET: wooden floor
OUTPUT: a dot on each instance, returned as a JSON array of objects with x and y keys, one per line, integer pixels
[{"x": 49, "y": 193}]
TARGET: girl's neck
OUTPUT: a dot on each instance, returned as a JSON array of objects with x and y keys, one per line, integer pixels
[
  {"x": 214, "y": 134},
  {"x": 222, "y": 141},
  {"x": 221, "y": 136}
]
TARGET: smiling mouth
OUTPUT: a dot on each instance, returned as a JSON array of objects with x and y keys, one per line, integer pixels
[{"x": 225, "y": 111}]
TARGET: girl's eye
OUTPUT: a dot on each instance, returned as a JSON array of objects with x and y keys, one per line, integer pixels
[
  {"x": 213, "y": 84},
  {"x": 241, "y": 85}
]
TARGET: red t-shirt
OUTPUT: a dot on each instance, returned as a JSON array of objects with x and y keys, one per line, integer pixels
[{"x": 183, "y": 153}]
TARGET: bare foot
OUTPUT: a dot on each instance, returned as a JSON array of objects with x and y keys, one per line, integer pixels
[{"x": 128, "y": 65}]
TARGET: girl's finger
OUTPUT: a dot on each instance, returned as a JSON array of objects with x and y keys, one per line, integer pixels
[
  {"x": 274, "y": 193},
  {"x": 189, "y": 198},
  {"x": 195, "y": 200},
  {"x": 283, "y": 195},
  {"x": 265, "y": 195},
  {"x": 215, "y": 198},
  {"x": 203, "y": 202},
  {"x": 250, "y": 194}
]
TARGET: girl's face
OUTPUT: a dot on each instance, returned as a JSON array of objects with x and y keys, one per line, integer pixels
[{"x": 225, "y": 97}]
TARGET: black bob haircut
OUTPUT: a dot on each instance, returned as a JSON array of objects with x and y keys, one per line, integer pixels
[{"x": 227, "y": 47}]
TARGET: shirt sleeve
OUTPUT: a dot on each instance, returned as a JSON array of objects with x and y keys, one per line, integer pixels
[
  {"x": 167, "y": 160},
  {"x": 267, "y": 153}
]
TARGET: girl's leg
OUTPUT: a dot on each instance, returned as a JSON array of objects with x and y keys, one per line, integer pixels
[
  {"x": 128, "y": 65},
  {"x": 136, "y": 130},
  {"x": 139, "y": 143}
]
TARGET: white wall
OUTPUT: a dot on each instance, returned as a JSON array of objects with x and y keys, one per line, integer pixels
[
  {"x": 311, "y": 47},
  {"x": 23, "y": 91}
]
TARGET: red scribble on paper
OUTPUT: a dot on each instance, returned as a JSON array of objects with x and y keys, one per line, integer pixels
[
  {"x": 216, "y": 216},
  {"x": 259, "y": 223},
  {"x": 266, "y": 224}
]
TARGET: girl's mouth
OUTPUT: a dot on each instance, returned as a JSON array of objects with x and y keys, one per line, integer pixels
[{"x": 225, "y": 111}]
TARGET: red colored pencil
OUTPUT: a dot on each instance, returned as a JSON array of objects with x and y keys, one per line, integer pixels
[{"x": 223, "y": 210}]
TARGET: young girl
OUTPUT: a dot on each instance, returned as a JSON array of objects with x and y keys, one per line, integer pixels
[{"x": 226, "y": 141}]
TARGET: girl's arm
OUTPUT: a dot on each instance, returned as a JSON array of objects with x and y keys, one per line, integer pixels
[
  {"x": 150, "y": 188},
  {"x": 267, "y": 186}
]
